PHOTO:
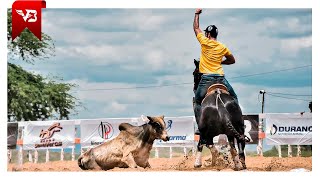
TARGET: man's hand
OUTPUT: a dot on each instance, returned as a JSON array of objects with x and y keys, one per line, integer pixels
[
  {"x": 196, "y": 28},
  {"x": 198, "y": 11}
]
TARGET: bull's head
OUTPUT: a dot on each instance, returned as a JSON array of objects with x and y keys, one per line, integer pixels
[{"x": 159, "y": 127}]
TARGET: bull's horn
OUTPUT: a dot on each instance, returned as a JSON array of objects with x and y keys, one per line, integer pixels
[{"x": 144, "y": 118}]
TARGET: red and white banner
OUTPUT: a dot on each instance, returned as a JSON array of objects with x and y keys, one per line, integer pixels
[
  {"x": 293, "y": 129},
  {"x": 48, "y": 135}
]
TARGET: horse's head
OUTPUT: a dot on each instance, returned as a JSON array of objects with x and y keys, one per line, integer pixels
[
  {"x": 196, "y": 63},
  {"x": 196, "y": 75}
]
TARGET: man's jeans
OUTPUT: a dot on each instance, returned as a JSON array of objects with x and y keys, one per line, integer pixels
[{"x": 206, "y": 81}]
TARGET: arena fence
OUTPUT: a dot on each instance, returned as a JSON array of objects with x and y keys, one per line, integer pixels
[{"x": 32, "y": 139}]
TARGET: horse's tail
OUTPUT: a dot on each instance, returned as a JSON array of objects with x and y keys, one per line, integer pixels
[{"x": 239, "y": 136}]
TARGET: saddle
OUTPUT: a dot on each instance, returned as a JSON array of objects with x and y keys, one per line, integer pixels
[{"x": 217, "y": 88}]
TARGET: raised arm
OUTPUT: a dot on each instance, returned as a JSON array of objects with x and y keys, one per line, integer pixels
[
  {"x": 196, "y": 27},
  {"x": 229, "y": 60}
]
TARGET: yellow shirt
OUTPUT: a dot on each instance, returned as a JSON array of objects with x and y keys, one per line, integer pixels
[{"x": 211, "y": 56}]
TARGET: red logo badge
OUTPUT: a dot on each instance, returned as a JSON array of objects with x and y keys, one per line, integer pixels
[{"x": 27, "y": 14}]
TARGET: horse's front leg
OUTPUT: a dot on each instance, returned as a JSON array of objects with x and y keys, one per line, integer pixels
[{"x": 198, "y": 160}]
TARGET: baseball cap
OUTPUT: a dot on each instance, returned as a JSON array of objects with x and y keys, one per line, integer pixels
[{"x": 212, "y": 29}]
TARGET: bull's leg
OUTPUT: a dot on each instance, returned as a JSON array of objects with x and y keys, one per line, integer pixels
[
  {"x": 234, "y": 153},
  {"x": 129, "y": 160},
  {"x": 198, "y": 161},
  {"x": 241, "y": 146},
  {"x": 148, "y": 165}
]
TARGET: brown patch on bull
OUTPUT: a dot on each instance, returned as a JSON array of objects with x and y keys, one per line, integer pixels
[{"x": 131, "y": 148}]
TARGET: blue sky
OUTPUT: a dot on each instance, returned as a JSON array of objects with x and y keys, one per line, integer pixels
[{"x": 127, "y": 48}]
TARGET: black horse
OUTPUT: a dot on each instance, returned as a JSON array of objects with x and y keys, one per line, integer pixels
[{"x": 220, "y": 114}]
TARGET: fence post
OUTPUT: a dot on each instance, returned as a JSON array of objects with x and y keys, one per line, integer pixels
[
  {"x": 194, "y": 150},
  {"x": 47, "y": 155},
  {"x": 30, "y": 156},
  {"x": 72, "y": 154},
  {"x": 36, "y": 155},
  {"x": 289, "y": 150},
  {"x": 20, "y": 145},
  {"x": 156, "y": 152},
  {"x": 298, "y": 151},
  {"x": 20, "y": 155},
  {"x": 170, "y": 155},
  {"x": 9, "y": 151},
  {"x": 185, "y": 151},
  {"x": 279, "y": 151},
  {"x": 61, "y": 155}
]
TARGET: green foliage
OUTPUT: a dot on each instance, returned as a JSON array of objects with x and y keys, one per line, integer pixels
[
  {"x": 32, "y": 97},
  {"x": 27, "y": 46}
]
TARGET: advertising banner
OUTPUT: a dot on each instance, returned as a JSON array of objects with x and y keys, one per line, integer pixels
[
  {"x": 293, "y": 129},
  {"x": 251, "y": 123},
  {"x": 12, "y": 135},
  {"x": 48, "y": 135},
  {"x": 98, "y": 131},
  {"x": 180, "y": 130}
]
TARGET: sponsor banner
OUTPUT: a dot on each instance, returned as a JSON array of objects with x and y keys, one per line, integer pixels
[
  {"x": 293, "y": 129},
  {"x": 12, "y": 135},
  {"x": 180, "y": 130},
  {"x": 48, "y": 134},
  {"x": 98, "y": 131},
  {"x": 251, "y": 123}
]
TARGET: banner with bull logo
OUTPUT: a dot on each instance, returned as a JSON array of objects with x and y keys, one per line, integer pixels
[
  {"x": 251, "y": 123},
  {"x": 12, "y": 135},
  {"x": 180, "y": 130},
  {"x": 98, "y": 131},
  {"x": 293, "y": 129},
  {"x": 48, "y": 135}
]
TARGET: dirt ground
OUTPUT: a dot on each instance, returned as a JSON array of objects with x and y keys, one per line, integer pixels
[{"x": 258, "y": 164}]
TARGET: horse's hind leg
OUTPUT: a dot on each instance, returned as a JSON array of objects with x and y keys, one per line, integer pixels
[
  {"x": 241, "y": 146},
  {"x": 234, "y": 153},
  {"x": 198, "y": 161}
]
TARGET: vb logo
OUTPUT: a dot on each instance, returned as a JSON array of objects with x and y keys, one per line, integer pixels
[{"x": 30, "y": 16}]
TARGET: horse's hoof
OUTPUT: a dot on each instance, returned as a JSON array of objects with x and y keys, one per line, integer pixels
[
  {"x": 197, "y": 165},
  {"x": 236, "y": 169}
]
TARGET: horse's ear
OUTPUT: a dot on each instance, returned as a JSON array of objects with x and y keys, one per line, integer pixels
[{"x": 196, "y": 63}]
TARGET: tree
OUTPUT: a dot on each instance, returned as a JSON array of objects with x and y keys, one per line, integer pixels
[{"x": 32, "y": 97}]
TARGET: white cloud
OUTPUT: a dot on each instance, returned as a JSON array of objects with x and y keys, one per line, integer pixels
[
  {"x": 145, "y": 40},
  {"x": 292, "y": 47},
  {"x": 115, "y": 107}
]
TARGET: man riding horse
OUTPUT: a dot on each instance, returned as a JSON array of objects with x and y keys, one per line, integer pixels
[
  {"x": 216, "y": 106},
  {"x": 210, "y": 65}
]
